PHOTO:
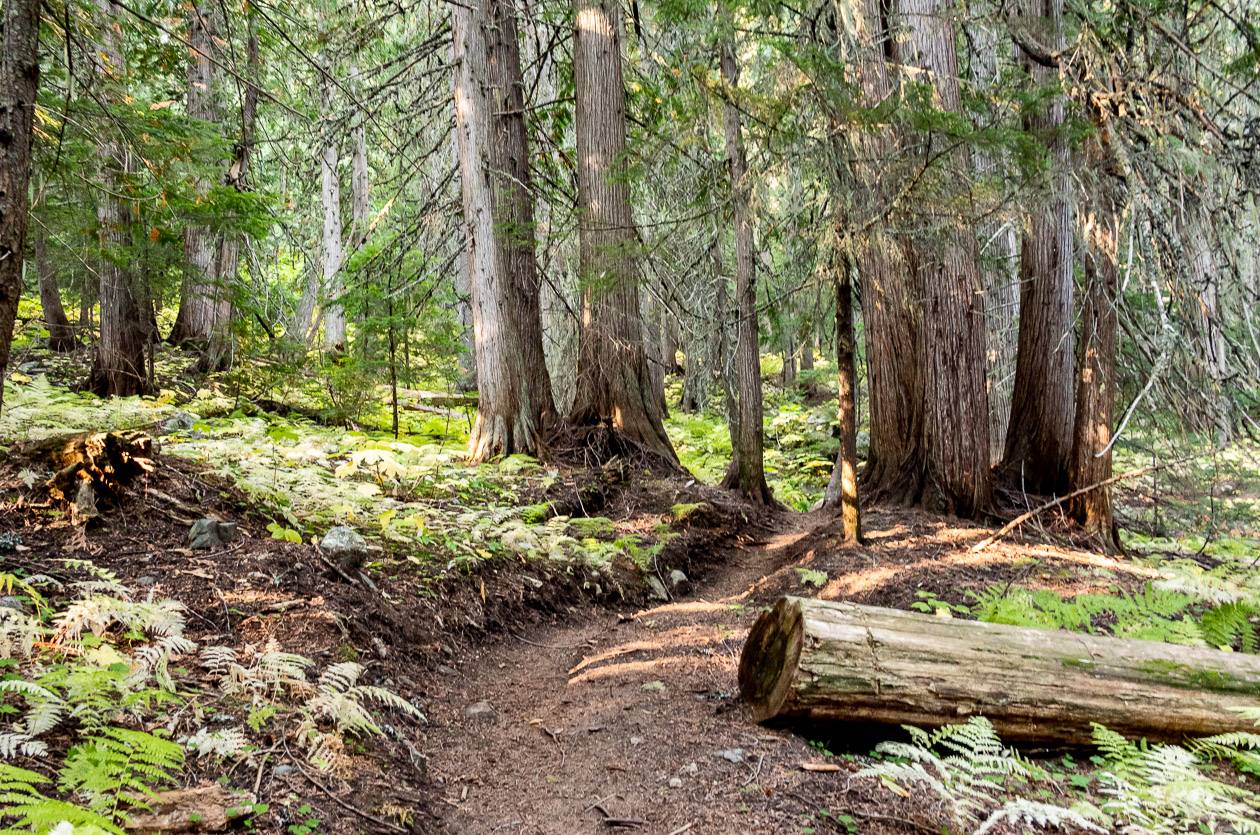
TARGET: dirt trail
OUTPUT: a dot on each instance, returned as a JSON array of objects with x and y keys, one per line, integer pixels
[{"x": 625, "y": 724}]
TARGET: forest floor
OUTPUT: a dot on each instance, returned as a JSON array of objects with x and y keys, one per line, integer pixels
[
  {"x": 512, "y": 604},
  {"x": 631, "y": 719}
]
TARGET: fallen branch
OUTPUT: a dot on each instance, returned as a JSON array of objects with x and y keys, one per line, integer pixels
[
  {"x": 1037, "y": 511},
  {"x": 335, "y": 799}
]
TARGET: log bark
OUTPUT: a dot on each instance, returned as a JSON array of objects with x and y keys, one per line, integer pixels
[{"x": 824, "y": 661}]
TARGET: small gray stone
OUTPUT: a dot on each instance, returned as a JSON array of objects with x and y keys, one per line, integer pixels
[
  {"x": 178, "y": 422},
  {"x": 346, "y": 547},
  {"x": 146, "y": 580},
  {"x": 17, "y": 604},
  {"x": 656, "y": 589},
  {"x": 210, "y": 533},
  {"x": 479, "y": 711},
  {"x": 735, "y": 755},
  {"x": 675, "y": 782},
  {"x": 678, "y": 582},
  {"x": 636, "y": 740},
  {"x": 282, "y": 771}
]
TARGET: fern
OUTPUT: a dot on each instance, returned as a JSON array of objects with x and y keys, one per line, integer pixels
[
  {"x": 1232, "y": 625},
  {"x": 18, "y": 633},
  {"x": 968, "y": 770},
  {"x": 24, "y": 805},
  {"x": 1162, "y": 790},
  {"x": 342, "y": 701},
  {"x": 117, "y": 769},
  {"x": 228, "y": 742},
  {"x": 1043, "y": 815}
]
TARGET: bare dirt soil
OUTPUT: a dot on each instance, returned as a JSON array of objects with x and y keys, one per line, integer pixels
[
  {"x": 549, "y": 711},
  {"x": 632, "y": 722}
]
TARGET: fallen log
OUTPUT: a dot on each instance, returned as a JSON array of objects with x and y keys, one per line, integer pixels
[{"x": 823, "y": 661}]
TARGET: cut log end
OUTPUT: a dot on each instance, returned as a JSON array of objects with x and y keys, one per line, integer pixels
[{"x": 770, "y": 658}]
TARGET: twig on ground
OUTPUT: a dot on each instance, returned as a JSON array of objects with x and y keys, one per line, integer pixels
[
  {"x": 1106, "y": 482},
  {"x": 343, "y": 804}
]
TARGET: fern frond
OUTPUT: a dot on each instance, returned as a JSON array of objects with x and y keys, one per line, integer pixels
[
  {"x": 120, "y": 767},
  {"x": 18, "y": 633},
  {"x": 228, "y": 742},
  {"x": 21, "y": 744},
  {"x": 1043, "y": 815},
  {"x": 218, "y": 660}
]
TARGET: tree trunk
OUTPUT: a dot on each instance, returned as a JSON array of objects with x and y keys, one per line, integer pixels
[
  {"x": 788, "y": 375},
  {"x": 202, "y": 295},
  {"x": 1195, "y": 226},
  {"x": 218, "y": 348},
  {"x": 360, "y": 206},
  {"x": 119, "y": 365},
  {"x": 360, "y": 185},
  {"x": 894, "y": 463},
  {"x": 669, "y": 341},
  {"x": 1096, "y": 377},
  {"x": 747, "y": 469},
  {"x": 463, "y": 312},
  {"x": 61, "y": 337},
  {"x": 807, "y": 352},
  {"x": 614, "y": 386},
  {"x": 842, "y": 492},
  {"x": 19, "y": 81},
  {"x": 1039, "y": 436},
  {"x": 330, "y": 249},
  {"x": 820, "y": 661},
  {"x": 943, "y": 265},
  {"x": 999, "y": 255},
  {"x": 515, "y": 400}
]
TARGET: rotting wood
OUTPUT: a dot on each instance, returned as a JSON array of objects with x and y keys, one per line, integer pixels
[
  {"x": 110, "y": 461},
  {"x": 825, "y": 661}
]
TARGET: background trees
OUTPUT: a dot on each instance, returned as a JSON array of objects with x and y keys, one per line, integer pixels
[{"x": 1043, "y": 216}]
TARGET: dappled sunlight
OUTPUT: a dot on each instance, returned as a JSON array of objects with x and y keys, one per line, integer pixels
[{"x": 628, "y": 669}]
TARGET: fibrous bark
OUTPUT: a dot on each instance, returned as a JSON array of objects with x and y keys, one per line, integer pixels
[
  {"x": 1096, "y": 378},
  {"x": 1194, "y": 228},
  {"x": 205, "y": 306},
  {"x": 1039, "y": 436},
  {"x": 614, "y": 385},
  {"x": 999, "y": 249},
  {"x": 515, "y": 403},
  {"x": 330, "y": 247},
  {"x": 19, "y": 81},
  {"x": 955, "y": 413},
  {"x": 822, "y": 661},
  {"x": 747, "y": 468},
  {"x": 119, "y": 366}
]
